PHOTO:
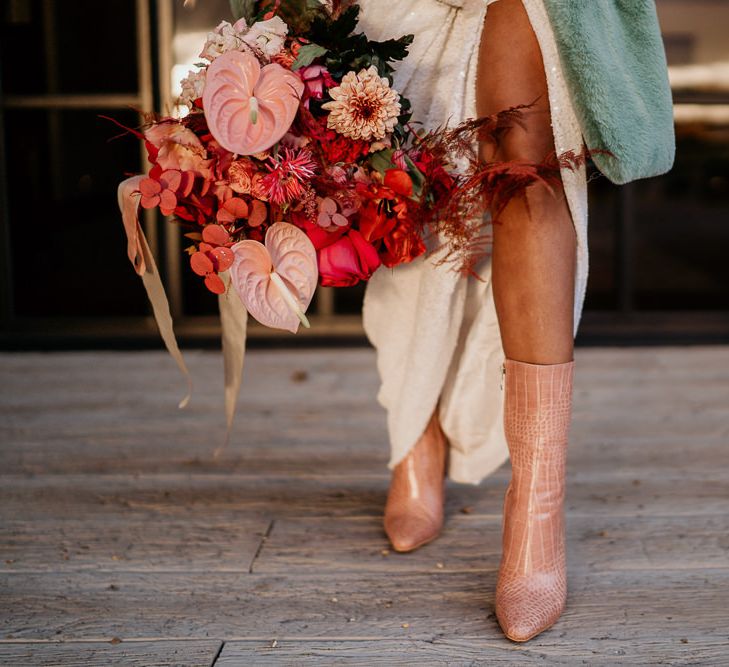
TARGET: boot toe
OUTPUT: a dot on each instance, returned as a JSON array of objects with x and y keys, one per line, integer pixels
[
  {"x": 523, "y": 612},
  {"x": 407, "y": 533}
]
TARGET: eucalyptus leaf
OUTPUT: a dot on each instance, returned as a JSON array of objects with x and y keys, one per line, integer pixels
[
  {"x": 416, "y": 176},
  {"x": 381, "y": 161},
  {"x": 308, "y": 54}
]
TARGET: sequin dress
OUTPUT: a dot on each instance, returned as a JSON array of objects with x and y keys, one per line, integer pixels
[{"x": 436, "y": 333}]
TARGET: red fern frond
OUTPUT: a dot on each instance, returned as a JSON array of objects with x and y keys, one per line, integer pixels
[{"x": 458, "y": 216}]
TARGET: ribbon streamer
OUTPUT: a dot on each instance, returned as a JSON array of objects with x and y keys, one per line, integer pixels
[
  {"x": 233, "y": 315},
  {"x": 234, "y": 322},
  {"x": 141, "y": 258}
]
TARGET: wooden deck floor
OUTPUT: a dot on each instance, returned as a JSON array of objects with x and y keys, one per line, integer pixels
[{"x": 123, "y": 543}]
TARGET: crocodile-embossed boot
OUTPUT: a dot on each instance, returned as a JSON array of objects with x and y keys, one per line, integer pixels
[
  {"x": 532, "y": 587},
  {"x": 414, "y": 509}
]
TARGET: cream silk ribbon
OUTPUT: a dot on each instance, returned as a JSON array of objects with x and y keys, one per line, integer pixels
[
  {"x": 233, "y": 322},
  {"x": 233, "y": 315}
]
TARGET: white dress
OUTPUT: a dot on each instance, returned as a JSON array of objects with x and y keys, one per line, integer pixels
[{"x": 436, "y": 333}]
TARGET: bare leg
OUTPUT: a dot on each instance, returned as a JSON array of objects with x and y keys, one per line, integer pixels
[
  {"x": 533, "y": 257},
  {"x": 533, "y": 261},
  {"x": 533, "y": 276}
]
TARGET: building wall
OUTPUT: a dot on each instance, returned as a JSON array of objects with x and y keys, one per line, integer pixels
[{"x": 657, "y": 246}]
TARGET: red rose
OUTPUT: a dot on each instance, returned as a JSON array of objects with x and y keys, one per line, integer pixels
[{"x": 347, "y": 261}]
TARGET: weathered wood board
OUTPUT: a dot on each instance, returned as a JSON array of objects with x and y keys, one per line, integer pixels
[
  {"x": 194, "y": 653},
  {"x": 122, "y": 541}
]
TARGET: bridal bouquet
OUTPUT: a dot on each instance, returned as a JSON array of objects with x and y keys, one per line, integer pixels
[{"x": 297, "y": 163}]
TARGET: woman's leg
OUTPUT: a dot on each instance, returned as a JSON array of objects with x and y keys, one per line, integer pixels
[
  {"x": 533, "y": 275},
  {"x": 534, "y": 256}
]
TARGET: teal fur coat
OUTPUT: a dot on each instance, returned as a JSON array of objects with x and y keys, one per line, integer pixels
[{"x": 615, "y": 65}]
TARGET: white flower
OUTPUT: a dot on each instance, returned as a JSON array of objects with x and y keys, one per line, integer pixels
[
  {"x": 267, "y": 36},
  {"x": 223, "y": 38},
  {"x": 363, "y": 106},
  {"x": 192, "y": 87}
]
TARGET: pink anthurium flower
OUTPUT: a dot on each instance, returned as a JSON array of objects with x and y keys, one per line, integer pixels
[
  {"x": 276, "y": 281},
  {"x": 249, "y": 108}
]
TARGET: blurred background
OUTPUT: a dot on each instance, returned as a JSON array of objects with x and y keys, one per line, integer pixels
[{"x": 659, "y": 269}]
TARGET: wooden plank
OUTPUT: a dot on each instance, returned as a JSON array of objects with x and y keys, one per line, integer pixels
[
  {"x": 466, "y": 652},
  {"x": 101, "y": 420},
  {"x": 131, "y": 541},
  {"x": 180, "y": 496},
  {"x": 99, "y": 467},
  {"x": 619, "y": 605},
  {"x": 599, "y": 544},
  {"x": 174, "y": 523},
  {"x": 179, "y": 653},
  {"x": 627, "y": 403},
  {"x": 656, "y": 451}
]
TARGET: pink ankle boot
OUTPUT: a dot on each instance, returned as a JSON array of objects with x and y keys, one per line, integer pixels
[
  {"x": 414, "y": 509},
  {"x": 532, "y": 588}
]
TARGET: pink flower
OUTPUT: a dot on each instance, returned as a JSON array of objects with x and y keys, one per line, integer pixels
[
  {"x": 192, "y": 88},
  {"x": 224, "y": 38},
  {"x": 398, "y": 159},
  {"x": 337, "y": 174},
  {"x": 179, "y": 148},
  {"x": 266, "y": 36},
  {"x": 174, "y": 132},
  {"x": 315, "y": 78},
  {"x": 347, "y": 261},
  {"x": 288, "y": 172},
  {"x": 177, "y": 156},
  {"x": 240, "y": 176}
]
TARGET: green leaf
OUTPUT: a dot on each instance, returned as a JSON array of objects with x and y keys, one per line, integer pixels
[
  {"x": 417, "y": 177},
  {"x": 381, "y": 161},
  {"x": 334, "y": 34},
  {"x": 393, "y": 49},
  {"x": 243, "y": 9},
  {"x": 308, "y": 54}
]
